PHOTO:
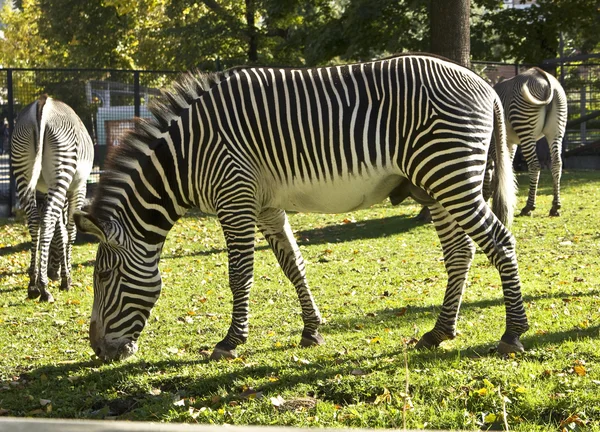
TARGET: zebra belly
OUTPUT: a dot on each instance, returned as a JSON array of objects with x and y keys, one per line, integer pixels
[{"x": 337, "y": 196}]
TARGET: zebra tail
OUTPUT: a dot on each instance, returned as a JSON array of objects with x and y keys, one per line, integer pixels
[
  {"x": 534, "y": 100},
  {"x": 41, "y": 118},
  {"x": 504, "y": 186}
]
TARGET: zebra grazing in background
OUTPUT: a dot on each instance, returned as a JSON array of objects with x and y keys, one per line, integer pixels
[
  {"x": 52, "y": 153},
  {"x": 250, "y": 143},
  {"x": 535, "y": 105}
]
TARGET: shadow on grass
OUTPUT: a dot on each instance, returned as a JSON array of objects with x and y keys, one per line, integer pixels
[{"x": 91, "y": 392}]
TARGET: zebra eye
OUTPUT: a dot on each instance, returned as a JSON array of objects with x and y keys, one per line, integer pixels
[{"x": 104, "y": 274}]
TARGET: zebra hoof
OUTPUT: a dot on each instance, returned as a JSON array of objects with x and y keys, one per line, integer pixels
[
  {"x": 46, "y": 296},
  {"x": 554, "y": 212},
  {"x": 311, "y": 339},
  {"x": 33, "y": 292},
  {"x": 510, "y": 344},
  {"x": 506, "y": 348},
  {"x": 219, "y": 354},
  {"x": 65, "y": 284},
  {"x": 527, "y": 211},
  {"x": 428, "y": 341}
]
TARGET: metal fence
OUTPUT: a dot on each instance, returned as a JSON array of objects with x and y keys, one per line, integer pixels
[{"x": 108, "y": 101}]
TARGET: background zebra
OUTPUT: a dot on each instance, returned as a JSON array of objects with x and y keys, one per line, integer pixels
[
  {"x": 52, "y": 153},
  {"x": 535, "y": 105},
  {"x": 250, "y": 143}
]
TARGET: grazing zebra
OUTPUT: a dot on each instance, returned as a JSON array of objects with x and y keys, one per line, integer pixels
[
  {"x": 250, "y": 143},
  {"x": 535, "y": 105},
  {"x": 52, "y": 153}
]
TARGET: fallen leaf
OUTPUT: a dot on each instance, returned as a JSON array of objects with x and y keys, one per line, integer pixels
[
  {"x": 579, "y": 370},
  {"x": 44, "y": 402},
  {"x": 172, "y": 350},
  {"x": 358, "y": 372},
  {"x": 277, "y": 401},
  {"x": 490, "y": 418}
]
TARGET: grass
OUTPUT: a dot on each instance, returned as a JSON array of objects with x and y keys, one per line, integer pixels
[{"x": 379, "y": 280}]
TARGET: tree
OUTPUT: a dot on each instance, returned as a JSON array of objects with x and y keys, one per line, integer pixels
[
  {"x": 532, "y": 35},
  {"x": 450, "y": 30}
]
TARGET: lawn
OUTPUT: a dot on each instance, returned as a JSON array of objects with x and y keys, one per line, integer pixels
[{"x": 378, "y": 278}]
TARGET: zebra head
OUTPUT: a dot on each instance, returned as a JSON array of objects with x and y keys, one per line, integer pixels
[{"x": 127, "y": 284}]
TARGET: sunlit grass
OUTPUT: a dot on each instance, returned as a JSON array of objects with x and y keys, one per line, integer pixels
[{"x": 378, "y": 278}]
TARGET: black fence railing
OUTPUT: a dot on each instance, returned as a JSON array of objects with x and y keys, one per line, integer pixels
[{"x": 108, "y": 100}]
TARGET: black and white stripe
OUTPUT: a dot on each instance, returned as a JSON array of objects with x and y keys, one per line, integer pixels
[
  {"x": 535, "y": 105},
  {"x": 251, "y": 143},
  {"x": 52, "y": 155}
]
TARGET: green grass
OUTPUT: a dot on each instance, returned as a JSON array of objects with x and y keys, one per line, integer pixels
[{"x": 379, "y": 280}]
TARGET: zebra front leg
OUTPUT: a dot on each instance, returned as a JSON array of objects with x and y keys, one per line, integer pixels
[
  {"x": 275, "y": 226},
  {"x": 239, "y": 230},
  {"x": 528, "y": 147},
  {"x": 459, "y": 251}
]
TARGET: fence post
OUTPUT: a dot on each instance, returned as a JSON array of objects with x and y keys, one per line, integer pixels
[
  {"x": 137, "y": 100},
  {"x": 11, "y": 122}
]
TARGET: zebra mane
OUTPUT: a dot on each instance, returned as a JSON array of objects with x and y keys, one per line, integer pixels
[{"x": 172, "y": 103}]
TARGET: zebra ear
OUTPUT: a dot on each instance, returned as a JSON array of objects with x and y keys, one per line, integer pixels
[{"x": 88, "y": 224}]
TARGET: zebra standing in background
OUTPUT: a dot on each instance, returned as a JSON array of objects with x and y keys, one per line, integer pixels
[
  {"x": 250, "y": 143},
  {"x": 52, "y": 153},
  {"x": 535, "y": 105}
]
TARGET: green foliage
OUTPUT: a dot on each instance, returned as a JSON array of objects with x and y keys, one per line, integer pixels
[
  {"x": 210, "y": 34},
  {"x": 379, "y": 280},
  {"x": 532, "y": 35}
]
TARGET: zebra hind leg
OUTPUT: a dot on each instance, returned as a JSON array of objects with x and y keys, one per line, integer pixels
[
  {"x": 528, "y": 147},
  {"x": 55, "y": 256},
  {"x": 555, "y": 150},
  {"x": 33, "y": 224},
  {"x": 62, "y": 252},
  {"x": 496, "y": 241},
  {"x": 459, "y": 251},
  {"x": 274, "y": 225}
]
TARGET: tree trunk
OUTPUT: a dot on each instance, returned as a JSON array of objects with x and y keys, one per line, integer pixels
[
  {"x": 252, "y": 33},
  {"x": 449, "y": 29}
]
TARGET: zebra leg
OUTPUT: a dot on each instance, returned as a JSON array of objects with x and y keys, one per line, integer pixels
[
  {"x": 62, "y": 246},
  {"x": 275, "y": 226},
  {"x": 74, "y": 203},
  {"x": 55, "y": 257},
  {"x": 528, "y": 147},
  {"x": 555, "y": 154},
  {"x": 33, "y": 224},
  {"x": 239, "y": 228},
  {"x": 459, "y": 251},
  {"x": 496, "y": 241},
  {"x": 53, "y": 210}
]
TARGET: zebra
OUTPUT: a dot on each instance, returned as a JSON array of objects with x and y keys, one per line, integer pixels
[
  {"x": 52, "y": 153},
  {"x": 249, "y": 144},
  {"x": 535, "y": 105}
]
